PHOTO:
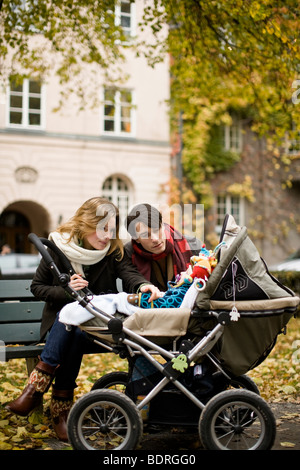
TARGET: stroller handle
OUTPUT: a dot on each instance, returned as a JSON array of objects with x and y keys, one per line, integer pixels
[
  {"x": 33, "y": 238},
  {"x": 39, "y": 242},
  {"x": 63, "y": 278}
]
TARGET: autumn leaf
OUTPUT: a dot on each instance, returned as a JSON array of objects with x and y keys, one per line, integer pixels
[
  {"x": 8, "y": 386},
  {"x": 3, "y": 423},
  {"x": 21, "y": 432},
  {"x": 36, "y": 417},
  {"x": 287, "y": 444},
  {"x": 5, "y": 446}
]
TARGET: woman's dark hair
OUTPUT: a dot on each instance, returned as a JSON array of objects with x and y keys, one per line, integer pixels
[{"x": 144, "y": 213}]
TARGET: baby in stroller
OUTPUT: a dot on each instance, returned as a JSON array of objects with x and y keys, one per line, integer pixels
[{"x": 181, "y": 293}]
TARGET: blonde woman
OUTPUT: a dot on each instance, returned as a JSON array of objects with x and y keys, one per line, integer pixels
[{"x": 90, "y": 240}]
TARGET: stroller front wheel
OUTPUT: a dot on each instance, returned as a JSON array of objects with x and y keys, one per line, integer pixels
[
  {"x": 237, "y": 420},
  {"x": 104, "y": 420}
]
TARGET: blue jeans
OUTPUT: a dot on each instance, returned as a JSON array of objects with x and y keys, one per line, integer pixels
[{"x": 65, "y": 349}]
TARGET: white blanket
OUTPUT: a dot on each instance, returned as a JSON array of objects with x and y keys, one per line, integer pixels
[{"x": 75, "y": 314}]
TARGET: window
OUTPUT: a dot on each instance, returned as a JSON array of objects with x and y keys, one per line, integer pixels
[
  {"x": 125, "y": 17},
  {"x": 229, "y": 205},
  {"x": 118, "y": 191},
  {"x": 233, "y": 136},
  {"x": 25, "y": 104},
  {"x": 118, "y": 112},
  {"x": 293, "y": 145}
]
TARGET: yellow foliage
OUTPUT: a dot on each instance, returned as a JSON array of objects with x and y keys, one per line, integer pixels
[{"x": 243, "y": 189}]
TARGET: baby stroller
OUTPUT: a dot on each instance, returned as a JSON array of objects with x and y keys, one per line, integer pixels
[{"x": 230, "y": 329}]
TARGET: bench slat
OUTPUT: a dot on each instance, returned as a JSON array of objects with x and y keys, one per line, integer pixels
[
  {"x": 20, "y": 333},
  {"x": 20, "y": 311},
  {"x": 21, "y": 352},
  {"x": 15, "y": 289},
  {"x": 20, "y": 320}
]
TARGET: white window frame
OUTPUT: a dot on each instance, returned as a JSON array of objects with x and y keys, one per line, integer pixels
[
  {"x": 117, "y": 114},
  {"x": 121, "y": 197},
  {"x": 233, "y": 136},
  {"x": 25, "y": 106},
  {"x": 131, "y": 31},
  {"x": 293, "y": 145},
  {"x": 233, "y": 205}
]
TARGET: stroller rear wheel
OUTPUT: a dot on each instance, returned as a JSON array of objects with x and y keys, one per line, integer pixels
[
  {"x": 244, "y": 382},
  {"x": 104, "y": 420},
  {"x": 116, "y": 380},
  {"x": 237, "y": 420}
]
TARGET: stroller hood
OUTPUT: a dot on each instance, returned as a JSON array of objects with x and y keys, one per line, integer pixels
[
  {"x": 241, "y": 280},
  {"x": 241, "y": 277}
]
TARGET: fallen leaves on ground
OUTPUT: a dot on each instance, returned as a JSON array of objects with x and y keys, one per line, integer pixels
[
  {"x": 278, "y": 379},
  {"x": 34, "y": 431}
]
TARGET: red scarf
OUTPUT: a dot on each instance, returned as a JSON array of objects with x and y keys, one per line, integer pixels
[{"x": 176, "y": 244}]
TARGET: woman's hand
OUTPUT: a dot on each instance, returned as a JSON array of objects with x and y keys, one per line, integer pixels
[
  {"x": 77, "y": 282},
  {"x": 155, "y": 292}
]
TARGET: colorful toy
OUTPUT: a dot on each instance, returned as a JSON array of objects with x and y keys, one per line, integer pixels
[
  {"x": 202, "y": 266},
  {"x": 199, "y": 271}
]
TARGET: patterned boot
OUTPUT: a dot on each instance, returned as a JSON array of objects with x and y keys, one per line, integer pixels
[
  {"x": 39, "y": 382},
  {"x": 61, "y": 403}
]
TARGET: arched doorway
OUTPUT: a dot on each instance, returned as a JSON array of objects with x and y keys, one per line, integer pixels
[
  {"x": 14, "y": 229},
  {"x": 18, "y": 220}
]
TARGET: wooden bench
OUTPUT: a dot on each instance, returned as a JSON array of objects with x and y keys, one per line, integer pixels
[{"x": 20, "y": 321}]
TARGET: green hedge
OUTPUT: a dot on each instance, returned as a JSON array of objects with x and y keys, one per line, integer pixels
[{"x": 290, "y": 279}]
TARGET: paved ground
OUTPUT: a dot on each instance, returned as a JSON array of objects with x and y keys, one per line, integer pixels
[
  {"x": 288, "y": 426},
  {"x": 287, "y": 434}
]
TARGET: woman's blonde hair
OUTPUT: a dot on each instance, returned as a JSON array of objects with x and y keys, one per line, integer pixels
[{"x": 92, "y": 213}]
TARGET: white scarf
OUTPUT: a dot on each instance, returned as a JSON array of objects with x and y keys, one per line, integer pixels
[{"x": 77, "y": 255}]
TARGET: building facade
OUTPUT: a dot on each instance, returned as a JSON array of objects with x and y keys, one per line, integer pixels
[
  {"x": 52, "y": 161},
  {"x": 262, "y": 192}
]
